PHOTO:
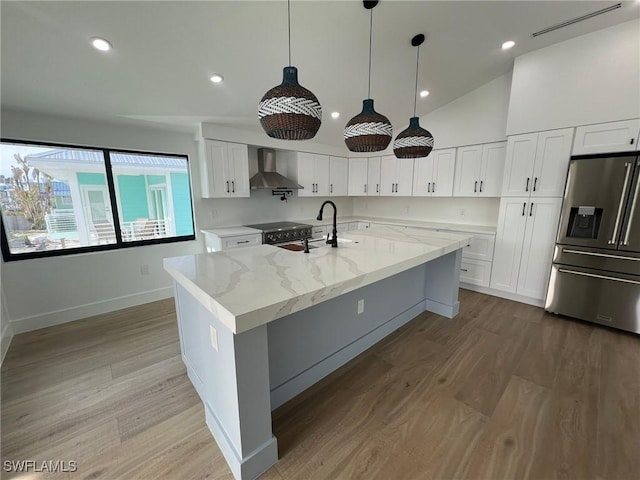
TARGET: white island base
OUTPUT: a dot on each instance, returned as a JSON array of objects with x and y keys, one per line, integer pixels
[{"x": 241, "y": 377}]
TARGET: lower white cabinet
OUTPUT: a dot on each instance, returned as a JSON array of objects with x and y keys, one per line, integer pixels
[
  {"x": 607, "y": 137},
  {"x": 475, "y": 272},
  {"x": 480, "y": 247},
  {"x": 217, "y": 242},
  {"x": 319, "y": 231},
  {"x": 524, "y": 245}
]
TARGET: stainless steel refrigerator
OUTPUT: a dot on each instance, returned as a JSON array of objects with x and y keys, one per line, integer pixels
[{"x": 595, "y": 274}]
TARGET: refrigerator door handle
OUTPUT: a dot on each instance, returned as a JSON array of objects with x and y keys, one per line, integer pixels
[
  {"x": 614, "y": 234},
  {"x": 634, "y": 203},
  {"x": 596, "y": 254},
  {"x": 603, "y": 277}
]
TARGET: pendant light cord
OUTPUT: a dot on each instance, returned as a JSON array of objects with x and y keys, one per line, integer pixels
[
  {"x": 415, "y": 96},
  {"x": 370, "y": 30},
  {"x": 289, "y": 24}
]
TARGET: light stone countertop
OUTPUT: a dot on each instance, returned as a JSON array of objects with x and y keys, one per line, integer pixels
[
  {"x": 248, "y": 287},
  {"x": 453, "y": 227}
]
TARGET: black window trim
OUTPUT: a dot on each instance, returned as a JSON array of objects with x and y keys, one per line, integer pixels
[{"x": 7, "y": 256}]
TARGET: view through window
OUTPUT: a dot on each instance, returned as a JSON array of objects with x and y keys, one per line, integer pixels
[{"x": 56, "y": 199}]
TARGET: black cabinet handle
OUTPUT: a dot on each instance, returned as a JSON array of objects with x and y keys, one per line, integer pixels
[
  {"x": 365, "y": 188},
  {"x": 535, "y": 182},
  {"x": 227, "y": 186},
  {"x": 233, "y": 186},
  {"x": 464, "y": 270},
  {"x": 481, "y": 182},
  {"x": 242, "y": 241},
  {"x": 632, "y": 140},
  {"x": 331, "y": 188},
  {"x": 433, "y": 187},
  {"x": 524, "y": 206},
  {"x": 531, "y": 209},
  {"x": 377, "y": 188},
  {"x": 526, "y": 189},
  {"x": 475, "y": 187},
  {"x": 429, "y": 187}
]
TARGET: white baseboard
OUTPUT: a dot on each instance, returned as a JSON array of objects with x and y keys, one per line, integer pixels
[
  {"x": 5, "y": 340},
  {"x": 35, "y": 322},
  {"x": 498, "y": 293}
]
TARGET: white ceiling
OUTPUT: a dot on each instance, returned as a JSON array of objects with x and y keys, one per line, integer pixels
[{"x": 165, "y": 51}]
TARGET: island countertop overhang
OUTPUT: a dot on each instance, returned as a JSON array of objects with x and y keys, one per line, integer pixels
[{"x": 252, "y": 286}]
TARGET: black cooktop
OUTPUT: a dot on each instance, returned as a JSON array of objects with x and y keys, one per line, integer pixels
[{"x": 278, "y": 226}]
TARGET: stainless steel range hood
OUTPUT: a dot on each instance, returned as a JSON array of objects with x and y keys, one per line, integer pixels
[{"x": 267, "y": 177}]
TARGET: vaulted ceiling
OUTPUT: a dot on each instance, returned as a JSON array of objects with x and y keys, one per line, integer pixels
[{"x": 165, "y": 51}]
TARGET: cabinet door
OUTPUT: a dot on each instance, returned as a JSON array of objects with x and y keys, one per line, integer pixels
[
  {"x": 493, "y": 156},
  {"x": 373, "y": 176},
  {"x": 306, "y": 174},
  {"x": 480, "y": 247},
  {"x": 388, "y": 175},
  {"x": 475, "y": 272},
  {"x": 552, "y": 163},
  {"x": 404, "y": 177},
  {"x": 467, "y": 177},
  {"x": 238, "y": 157},
  {"x": 422, "y": 176},
  {"x": 444, "y": 167},
  {"x": 358, "y": 176},
  {"x": 539, "y": 240},
  {"x": 319, "y": 231},
  {"x": 338, "y": 176},
  {"x": 518, "y": 169},
  {"x": 323, "y": 179},
  {"x": 214, "y": 170},
  {"x": 607, "y": 137},
  {"x": 512, "y": 219}
]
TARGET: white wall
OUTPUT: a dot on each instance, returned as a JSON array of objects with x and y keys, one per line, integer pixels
[
  {"x": 476, "y": 211},
  {"x": 589, "y": 79},
  {"x": 6, "y": 332},
  {"x": 480, "y": 116}
]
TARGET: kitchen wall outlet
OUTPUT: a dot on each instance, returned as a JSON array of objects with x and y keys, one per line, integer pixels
[
  {"x": 463, "y": 212},
  {"x": 360, "y": 306},
  {"x": 214, "y": 337},
  {"x": 144, "y": 269},
  {"x": 214, "y": 214},
  {"x": 406, "y": 209}
]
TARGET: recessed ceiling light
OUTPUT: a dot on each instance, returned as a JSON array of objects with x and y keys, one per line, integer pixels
[
  {"x": 335, "y": 114},
  {"x": 216, "y": 78},
  {"x": 101, "y": 44},
  {"x": 424, "y": 93},
  {"x": 507, "y": 45}
]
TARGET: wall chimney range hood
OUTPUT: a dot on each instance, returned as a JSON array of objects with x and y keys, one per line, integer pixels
[{"x": 267, "y": 177}]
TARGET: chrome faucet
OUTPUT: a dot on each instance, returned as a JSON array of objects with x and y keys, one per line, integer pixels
[{"x": 333, "y": 241}]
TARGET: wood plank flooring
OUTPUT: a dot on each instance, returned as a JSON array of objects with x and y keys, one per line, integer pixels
[{"x": 503, "y": 391}]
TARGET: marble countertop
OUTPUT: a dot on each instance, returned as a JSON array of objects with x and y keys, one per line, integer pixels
[
  {"x": 453, "y": 227},
  {"x": 248, "y": 287},
  {"x": 231, "y": 231}
]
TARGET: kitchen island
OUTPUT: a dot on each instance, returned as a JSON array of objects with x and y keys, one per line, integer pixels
[{"x": 261, "y": 324}]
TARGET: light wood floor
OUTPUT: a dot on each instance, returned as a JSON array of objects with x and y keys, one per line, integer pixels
[{"x": 503, "y": 391}]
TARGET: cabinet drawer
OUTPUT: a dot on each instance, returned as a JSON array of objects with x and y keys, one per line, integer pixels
[
  {"x": 476, "y": 272},
  {"x": 480, "y": 247},
  {"x": 319, "y": 232},
  {"x": 342, "y": 227},
  {"x": 241, "y": 241}
]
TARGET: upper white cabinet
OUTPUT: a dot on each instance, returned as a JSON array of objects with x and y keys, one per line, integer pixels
[
  {"x": 364, "y": 176},
  {"x": 433, "y": 176},
  {"x": 338, "y": 176},
  {"x": 524, "y": 245},
  {"x": 313, "y": 174},
  {"x": 224, "y": 170},
  {"x": 537, "y": 164},
  {"x": 396, "y": 176},
  {"x": 607, "y": 137},
  {"x": 479, "y": 170}
]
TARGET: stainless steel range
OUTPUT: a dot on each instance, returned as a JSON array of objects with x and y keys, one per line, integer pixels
[
  {"x": 283, "y": 232},
  {"x": 596, "y": 263}
]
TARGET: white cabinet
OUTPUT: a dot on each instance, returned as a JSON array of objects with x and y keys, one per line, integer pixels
[
  {"x": 537, "y": 164},
  {"x": 313, "y": 174},
  {"x": 361, "y": 225},
  {"x": 224, "y": 170},
  {"x": 338, "y": 176},
  {"x": 364, "y": 176},
  {"x": 475, "y": 272},
  {"x": 433, "y": 175},
  {"x": 319, "y": 231},
  {"x": 479, "y": 170},
  {"x": 607, "y": 137},
  {"x": 216, "y": 242},
  {"x": 480, "y": 247},
  {"x": 396, "y": 176},
  {"x": 524, "y": 245}
]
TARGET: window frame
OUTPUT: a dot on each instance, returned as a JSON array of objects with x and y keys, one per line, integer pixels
[{"x": 7, "y": 256}]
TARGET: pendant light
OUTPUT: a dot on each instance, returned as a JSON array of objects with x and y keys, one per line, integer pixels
[
  {"x": 289, "y": 111},
  {"x": 415, "y": 141},
  {"x": 368, "y": 131}
]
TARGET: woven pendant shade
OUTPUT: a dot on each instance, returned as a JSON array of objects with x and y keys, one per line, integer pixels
[
  {"x": 368, "y": 131},
  {"x": 289, "y": 111},
  {"x": 414, "y": 142}
]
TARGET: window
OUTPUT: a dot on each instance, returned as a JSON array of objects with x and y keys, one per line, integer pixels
[{"x": 59, "y": 200}]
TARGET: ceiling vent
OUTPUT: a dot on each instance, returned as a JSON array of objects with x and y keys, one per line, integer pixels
[{"x": 576, "y": 20}]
